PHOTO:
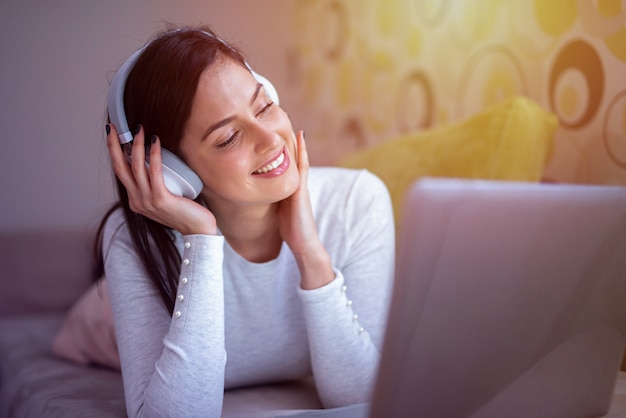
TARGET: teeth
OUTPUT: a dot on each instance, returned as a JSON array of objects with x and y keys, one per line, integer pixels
[{"x": 271, "y": 165}]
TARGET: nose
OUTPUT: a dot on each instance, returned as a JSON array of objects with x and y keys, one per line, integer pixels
[{"x": 265, "y": 139}]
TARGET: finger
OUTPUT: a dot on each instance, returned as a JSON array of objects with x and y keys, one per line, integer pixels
[
  {"x": 138, "y": 162},
  {"x": 118, "y": 159},
  {"x": 303, "y": 157},
  {"x": 138, "y": 155},
  {"x": 156, "y": 169},
  {"x": 296, "y": 139},
  {"x": 301, "y": 147}
]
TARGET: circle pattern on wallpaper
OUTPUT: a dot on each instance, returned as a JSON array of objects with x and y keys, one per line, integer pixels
[
  {"x": 616, "y": 43},
  {"x": 527, "y": 36},
  {"x": 353, "y": 134},
  {"x": 571, "y": 98},
  {"x": 388, "y": 14},
  {"x": 602, "y": 19},
  {"x": 492, "y": 75},
  {"x": 314, "y": 80},
  {"x": 587, "y": 89},
  {"x": 347, "y": 87},
  {"x": 379, "y": 84},
  {"x": 614, "y": 130},
  {"x": 331, "y": 30},
  {"x": 555, "y": 16},
  {"x": 305, "y": 33},
  {"x": 414, "y": 104},
  {"x": 474, "y": 21}
]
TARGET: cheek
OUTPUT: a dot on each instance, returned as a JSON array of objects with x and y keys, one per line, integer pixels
[
  {"x": 220, "y": 171},
  {"x": 294, "y": 178}
]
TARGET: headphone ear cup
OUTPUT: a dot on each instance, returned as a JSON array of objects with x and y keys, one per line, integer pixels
[
  {"x": 269, "y": 87},
  {"x": 179, "y": 178}
]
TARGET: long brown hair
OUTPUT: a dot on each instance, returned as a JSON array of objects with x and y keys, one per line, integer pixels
[{"x": 159, "y": 93}]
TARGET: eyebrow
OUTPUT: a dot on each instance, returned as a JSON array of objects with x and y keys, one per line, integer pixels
[{"x": 229, "y": 119}]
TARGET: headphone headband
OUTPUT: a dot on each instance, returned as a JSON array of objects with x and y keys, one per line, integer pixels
[{"x": 115, "y": 100}]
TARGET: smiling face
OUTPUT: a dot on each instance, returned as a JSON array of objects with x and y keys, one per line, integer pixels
[{"x": 238, "y": 141}]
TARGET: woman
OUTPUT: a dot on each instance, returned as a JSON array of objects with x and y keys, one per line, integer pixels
[{"x": 275, "y": 272}]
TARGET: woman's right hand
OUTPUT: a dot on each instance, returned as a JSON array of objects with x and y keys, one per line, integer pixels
[{"x": 147, "y": 194}]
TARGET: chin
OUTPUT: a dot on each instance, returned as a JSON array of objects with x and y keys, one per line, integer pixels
[{"x": 291, "y": 185}]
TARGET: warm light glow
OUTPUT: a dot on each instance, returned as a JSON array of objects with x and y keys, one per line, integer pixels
[{"x": 569, "y": 56}]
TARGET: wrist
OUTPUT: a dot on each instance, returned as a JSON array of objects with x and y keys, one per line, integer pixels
[
  {"x": 199, "y": 231},
  {"x": 199, "y": 221},
  {"x": 315, "y": 269},
  {"x": 201, "y": 228}
]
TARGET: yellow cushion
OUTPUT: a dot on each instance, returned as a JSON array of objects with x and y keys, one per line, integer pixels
[{"x": 511, "y": 140}]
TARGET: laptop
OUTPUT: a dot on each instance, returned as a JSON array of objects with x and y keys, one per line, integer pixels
[{"x": 509, "y": 301}]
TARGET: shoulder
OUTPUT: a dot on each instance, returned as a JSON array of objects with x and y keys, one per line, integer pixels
[
  {"x": 114, "y": 223},
  {"x": 115, "y": 229},
  {"x": 342, "y": 194},
  {"x": 353, "y": 212},
  {"x": 344, "y": 183}
]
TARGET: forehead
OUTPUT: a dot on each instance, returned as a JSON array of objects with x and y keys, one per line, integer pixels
[
  {"x": 225, "y": 72},
  {"x": 223, "y": 86},
  {"x": 224, "y": 91}
]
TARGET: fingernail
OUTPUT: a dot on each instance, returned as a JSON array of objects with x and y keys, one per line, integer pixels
[
  {"x": 138, "y": 129},
  {"x": 107, "y": 127},
  {"x": 303, "y": 136},
  {"x": 153, "y": 139}
]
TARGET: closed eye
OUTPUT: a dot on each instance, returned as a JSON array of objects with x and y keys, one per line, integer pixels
[
  {"x": 265, "y": 110},
  {"x": 230, "y": 141}
]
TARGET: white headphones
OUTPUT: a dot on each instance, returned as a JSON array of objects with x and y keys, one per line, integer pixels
[{"x": 179, "y": 178}]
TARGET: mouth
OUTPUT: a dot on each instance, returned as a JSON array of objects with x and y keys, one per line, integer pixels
[{"x": 272, "y": 165}]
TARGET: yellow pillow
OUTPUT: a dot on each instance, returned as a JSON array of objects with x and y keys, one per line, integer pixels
[{"x": 511, "y": 140}]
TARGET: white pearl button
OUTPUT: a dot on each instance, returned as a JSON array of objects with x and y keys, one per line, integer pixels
[
  {"x": 355, "y": 317},
  {"x": 181, "y": 298},
  {"x": 184, "y": 280},
  {"x": 344, "y": 288},
  {"x": 349, "y": 303},
  {"x": 361, "y": 330},
  {"x": 186, "y": 261},
  {"x": 187, "y": 245},
  {"x": 177, "y": 314}
]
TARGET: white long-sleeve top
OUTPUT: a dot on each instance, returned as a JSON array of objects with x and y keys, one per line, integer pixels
[{"x": 239, "y": 323}]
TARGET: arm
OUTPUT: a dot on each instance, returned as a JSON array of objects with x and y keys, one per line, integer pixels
[
  {"x": 346, "y": 318},
  {"x": 297, "y": 227},
  {"x": 345, "y": 309},
  {"x": 171, "y": 365}
]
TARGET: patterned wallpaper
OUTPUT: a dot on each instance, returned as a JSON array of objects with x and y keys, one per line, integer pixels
[{"x": 367, "y": 70}]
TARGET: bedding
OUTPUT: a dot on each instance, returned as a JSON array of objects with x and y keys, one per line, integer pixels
[
  {"x": 36, "y": 383},
  {"x": 87, "y": 335}
]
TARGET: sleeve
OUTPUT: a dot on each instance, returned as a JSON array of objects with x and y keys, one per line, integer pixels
[
  {"x": 171, "y": 365},
  {"x": 346, "y": 319}
]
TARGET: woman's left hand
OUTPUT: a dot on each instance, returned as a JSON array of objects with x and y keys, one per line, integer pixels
[{"x": 298, "y": 229}]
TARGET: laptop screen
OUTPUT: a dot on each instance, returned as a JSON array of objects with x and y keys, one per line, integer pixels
[{"x": 509, "y": 300}]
